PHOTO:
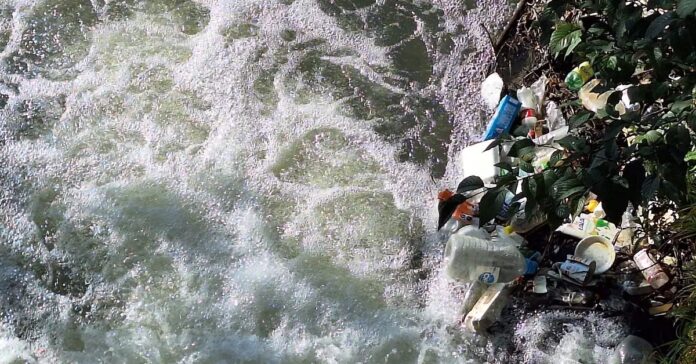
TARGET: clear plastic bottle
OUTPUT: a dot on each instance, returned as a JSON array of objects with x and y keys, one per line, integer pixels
[
  {"x": 633, "y": 349},
  {"x": 652, "y": 271},
  {"x": 470, "y": 258},
  {"x": 628, "y": 227},
  {"x": 506, "y": 235},
  {"x": 462, "y": 216}
]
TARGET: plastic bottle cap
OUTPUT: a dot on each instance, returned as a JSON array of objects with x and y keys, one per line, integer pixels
[
  {"x": 531, "y": 267},
  {"x": 508, "y": 230},
  {"x": 592, "y": 205}
]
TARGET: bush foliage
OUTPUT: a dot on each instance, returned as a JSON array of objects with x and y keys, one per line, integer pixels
[{"x": 644, "y": 155}]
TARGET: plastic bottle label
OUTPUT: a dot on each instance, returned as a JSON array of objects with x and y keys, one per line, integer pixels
[{"x": 489, "y": 275}]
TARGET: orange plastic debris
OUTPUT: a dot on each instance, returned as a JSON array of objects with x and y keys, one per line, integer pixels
[
  {"x": 464, "y": 208},
  {"x": 445, "y": 195}
]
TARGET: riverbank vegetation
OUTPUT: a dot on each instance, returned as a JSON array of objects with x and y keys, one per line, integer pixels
[{"x": 637, "y": 147}]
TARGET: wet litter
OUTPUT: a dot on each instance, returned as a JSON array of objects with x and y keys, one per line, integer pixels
[
  {"x": 549, "y": 270},
  {"x": 588, "y": 264}
]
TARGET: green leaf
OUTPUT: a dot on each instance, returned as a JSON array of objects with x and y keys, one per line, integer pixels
[
  {"x": 679, "y": 106},
  {"x": 594, "y": 30},
  {"x": 613, "y": 130},
  {"x": 677, "y": 137},
  {"x": 526, "y": 166},
  {"x": 657, "y": 53},
  {"x": 571, "y": 192},
  {"x": 566, "y": 36},
  {"x": 566, "y": 187},
  {"x": 611, "y": 150},
  {"x": 576, "y": 38},
  {"x": 469, "y": 184},
  {"x": 659, "y": 24},
  {"x": 671, "y": 190},
  {"x": 519, "y": 146},
  {"x": 556, "y": 159},
  {"x": 536, "y": 184},
  {"x": 491, "y": 203},
  {"x": 611, "y": 63},
  {"x": 530, "y": 207},
  {"x": 548, "y": 179},
  {"x": 527, "y": 154},
  {"x": 652, "y": 136},
  {"x": 572, "y": 142},
  {"x": 579, "y": 119},
  {"x": 577, "y": 205},
  {"x": 691, "y": 156},
  {"x": 686, "y": 8},
  {"x": 506, "y": 180},
  {"x": 527, "y": 189},
  {"x": 504, "y": 166},
  {"x": 563, "y": 211},
  {"x": 498, "y": 141}
]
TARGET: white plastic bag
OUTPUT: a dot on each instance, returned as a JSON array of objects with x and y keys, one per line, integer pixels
[
  {"x": 533, "y": 97},
  {"x": 539, "y": 90},
  {"x": 527, "y": 98},
  {"x": 554, "y": 116}
]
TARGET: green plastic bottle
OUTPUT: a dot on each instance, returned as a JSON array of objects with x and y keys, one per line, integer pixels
[{"x": 579, "y": 75}]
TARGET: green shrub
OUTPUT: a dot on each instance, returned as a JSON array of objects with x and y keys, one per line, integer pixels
[{"x": 639, "y": 156}]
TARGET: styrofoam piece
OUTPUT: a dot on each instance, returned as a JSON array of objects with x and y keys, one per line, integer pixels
[
  {"x": 474, "y": 161},
  {"x": 488, "y": 308}
]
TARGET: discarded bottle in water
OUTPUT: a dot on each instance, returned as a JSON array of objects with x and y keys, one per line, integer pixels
[
  {"x": 633, "y": 350},
  {"x": 463, "y": 215},
  {"x": 579, "y": 75},
  {"x": 652, "y": 271},
  {"x": 471, "y": 259}
]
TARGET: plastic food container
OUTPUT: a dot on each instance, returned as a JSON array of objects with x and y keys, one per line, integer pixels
[{"x": 599, "y": 249}]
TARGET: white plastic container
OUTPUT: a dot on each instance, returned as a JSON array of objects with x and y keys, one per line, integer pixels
[
  {"x": 598, "y": 249},
  {"x": 469, "y": 258},
  {"x": 475, "y": 160}
]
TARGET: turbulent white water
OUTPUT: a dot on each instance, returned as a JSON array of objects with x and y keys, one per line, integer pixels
[{"x": 241, "y": 181}]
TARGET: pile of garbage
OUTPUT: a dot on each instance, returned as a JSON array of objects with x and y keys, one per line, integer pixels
[{"x": 586, "y": 264}]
